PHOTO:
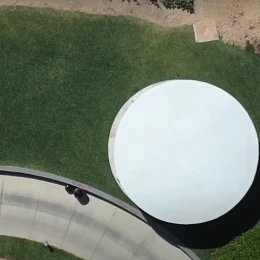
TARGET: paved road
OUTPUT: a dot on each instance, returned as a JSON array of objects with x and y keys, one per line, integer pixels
[{"x": 41, "y": 211}]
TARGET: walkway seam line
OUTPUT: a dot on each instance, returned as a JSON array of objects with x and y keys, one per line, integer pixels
[
  {"x": 72, "y": 215},
  {"x": 36, "y": 208},
  {"x": 103, "y": 234}
]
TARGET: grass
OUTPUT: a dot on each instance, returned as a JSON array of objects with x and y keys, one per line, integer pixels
[
  {"x": 204, "y": 254},
  {"x": 21, "y": 249},
  {"x": 65, "y": 75},
  {"x": 244, "y": 247}
]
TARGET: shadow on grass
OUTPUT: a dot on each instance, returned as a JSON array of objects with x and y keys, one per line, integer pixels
[
  {"x": 50, "y": 248},
  {"x": 218, "y": 232}
]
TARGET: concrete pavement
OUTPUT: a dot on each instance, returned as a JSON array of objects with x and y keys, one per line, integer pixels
[{"x": 43, "y": 211}]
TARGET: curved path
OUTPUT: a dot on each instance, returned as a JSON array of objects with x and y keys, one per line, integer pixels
[{"x": 41, "y": 210}]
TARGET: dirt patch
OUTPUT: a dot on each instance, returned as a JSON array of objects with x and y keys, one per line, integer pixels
[{"x": 238, "y": 21}]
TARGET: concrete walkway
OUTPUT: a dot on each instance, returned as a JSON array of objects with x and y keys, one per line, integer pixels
[{"x": 43, "y": 211}]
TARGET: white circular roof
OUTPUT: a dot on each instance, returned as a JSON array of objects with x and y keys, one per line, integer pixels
[{"x": 183, "y": 151}]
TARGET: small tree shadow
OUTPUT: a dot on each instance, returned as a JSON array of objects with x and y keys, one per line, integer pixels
[
  {"x": 51, "y": 249},
  {"x": 253, "y": 46},
  {"x": 218, "y": 232}
]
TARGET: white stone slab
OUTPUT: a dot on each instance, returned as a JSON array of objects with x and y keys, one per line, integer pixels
[
  {"x": 127, "y": 230},
  {"x": 110, "y": 250},
  {"x": 155, "y": 247},
  {"x": 59, "y": 202},
  {"x": 96, "y": 215},
  {"x": 49, "y": 228},
  {"x": 81, "y": 241},
  {"x": 21, "y": 192},
  {"x": 137, "y": 258},
  {"x": 205, "y": 31},
  {"x": 16, "y": 221}
]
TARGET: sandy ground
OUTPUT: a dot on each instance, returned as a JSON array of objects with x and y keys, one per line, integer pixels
[{"x": 238, "y": 21}]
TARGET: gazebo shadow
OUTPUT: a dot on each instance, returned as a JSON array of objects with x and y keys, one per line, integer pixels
[{"x": 218, "y": 232}]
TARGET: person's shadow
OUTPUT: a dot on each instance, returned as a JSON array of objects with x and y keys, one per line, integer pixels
[
  {"x": 84, "y": 200},
  {"x": 218, "y": 232}
]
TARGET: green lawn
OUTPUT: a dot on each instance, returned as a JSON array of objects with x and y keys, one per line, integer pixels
[
  {"x": 244, "y": 247},
  {"x": 65, "y": 75},
  {"x": 204, "y": 254},
  {"x": 21, "y": 249}
]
